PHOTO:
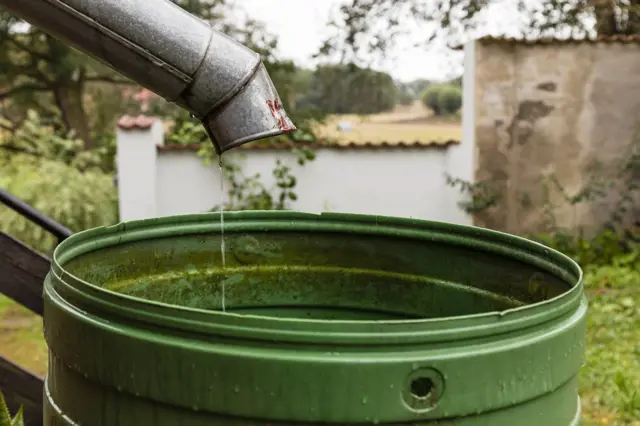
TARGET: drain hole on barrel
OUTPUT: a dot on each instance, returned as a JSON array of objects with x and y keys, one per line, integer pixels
[{"x": 421, "y": 387}]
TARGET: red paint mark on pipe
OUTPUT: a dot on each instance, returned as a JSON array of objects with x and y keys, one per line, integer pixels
[{"x": 283, "y": 122}]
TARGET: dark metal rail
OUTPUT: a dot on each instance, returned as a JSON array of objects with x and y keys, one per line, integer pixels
[
  {"x": 13, "y": 202},
  {"x": 22, "y": 272}
]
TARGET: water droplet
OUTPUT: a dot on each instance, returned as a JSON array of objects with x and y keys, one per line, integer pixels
[
  {"x": 236, "y": 389},
  {"x": 119, "y": 388},
  {"x": 364, "y": 400},
  {"x": 195, "y": 408}
]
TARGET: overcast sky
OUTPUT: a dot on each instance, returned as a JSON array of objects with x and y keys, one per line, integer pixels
[{"x": 301, "y": 24}]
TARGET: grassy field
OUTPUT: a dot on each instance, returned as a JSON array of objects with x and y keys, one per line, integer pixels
[
  {"x": 404, "y": 124},
  {"x": 21, "y": 337},
  {"x": 609, "y": 379}
]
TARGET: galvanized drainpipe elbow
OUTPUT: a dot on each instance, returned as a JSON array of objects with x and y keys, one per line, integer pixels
[
  {"x": 234, "y": 96},
  {"x": 176, "y": 55}
]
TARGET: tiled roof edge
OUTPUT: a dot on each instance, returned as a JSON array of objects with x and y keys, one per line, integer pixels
[
  {"x": 324, "y": 145},
  {"x": 128, "y": 122},
  {"x": 630, "y": 39}
]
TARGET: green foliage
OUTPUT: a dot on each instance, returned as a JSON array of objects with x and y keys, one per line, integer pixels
[
  {"x": 621, "y": 272},
  {"x": 483, "y": 195},
  {"x": 5, "y": 416},
  {"x": 366, "y": 29},
  {"x": 610, "y": 377},
  {"x": 39, "y": 72},
  {"x": 187, "y": 131},
  {"x": 349, "y": 89},
  {"x": 443, "y": 99},
  {"x": 596, "y": 188},
  {"x": 58, "y": 177},
  {"x": 244, "y": 192},
  {"x": 431, "y": 98},
  {"x": 450, "y": 99},
  {"x": 610, "y": 241},
  {"x": 603, "y": 249},
  {"x": 34, "y": 138},
  {"x": 250, "y": 193}
]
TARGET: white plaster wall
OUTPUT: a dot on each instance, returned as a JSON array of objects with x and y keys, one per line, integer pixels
[
  {"x": 136, "y": 163},
  {"x": 394, "y": 182},
  {"x": 461, "y": 157}
]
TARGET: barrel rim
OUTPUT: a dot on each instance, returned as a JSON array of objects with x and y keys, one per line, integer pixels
[{"x": 319, "y": 330}]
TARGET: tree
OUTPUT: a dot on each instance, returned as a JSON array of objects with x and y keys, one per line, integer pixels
[
  {"x": 363, "y": 27},
  {"x": 59, "y": 177},
  {"x": 349, "y": 89},
  {"x": 38, "y": 71},
  {"x": 450, "y": 99},
  {"x": 431, "y": 99},
  {"x": 443, "y": 98}
]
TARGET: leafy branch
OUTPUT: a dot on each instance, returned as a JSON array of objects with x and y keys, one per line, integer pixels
[
  {"x": 250, "y": 192},
  {"x": 23, "y": 88},
  {"x": 51, "y": 172},
  {"x": 483, "y": 194}
]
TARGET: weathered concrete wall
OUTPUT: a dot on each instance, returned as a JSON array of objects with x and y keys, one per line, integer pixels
[{"x": 564, "y": 110}]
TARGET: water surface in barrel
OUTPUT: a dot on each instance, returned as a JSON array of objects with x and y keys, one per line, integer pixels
[{"x": 332, "y": 276}]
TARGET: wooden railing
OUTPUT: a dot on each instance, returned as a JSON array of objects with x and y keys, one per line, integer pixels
[{"x": 22, "y": 272}]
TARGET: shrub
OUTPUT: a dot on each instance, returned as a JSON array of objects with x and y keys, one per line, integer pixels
[
  {"x": 431, "y": 98},
  {"x": 602, "y": 249},
  {"x": 449, "y": 99},
  {"x": 57, "y": 177}
]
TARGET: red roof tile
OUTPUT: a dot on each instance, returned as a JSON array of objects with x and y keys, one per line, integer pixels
[
  {"x": 323, "y": 144},
  {"x": 128, "y": 122},
  {"x": 556, "y": 40}
]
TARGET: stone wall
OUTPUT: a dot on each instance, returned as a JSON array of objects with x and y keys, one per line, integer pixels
[{"x": 568, "y": 111}]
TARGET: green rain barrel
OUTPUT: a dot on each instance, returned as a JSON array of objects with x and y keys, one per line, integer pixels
[{"x": 330, "y": 319}]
